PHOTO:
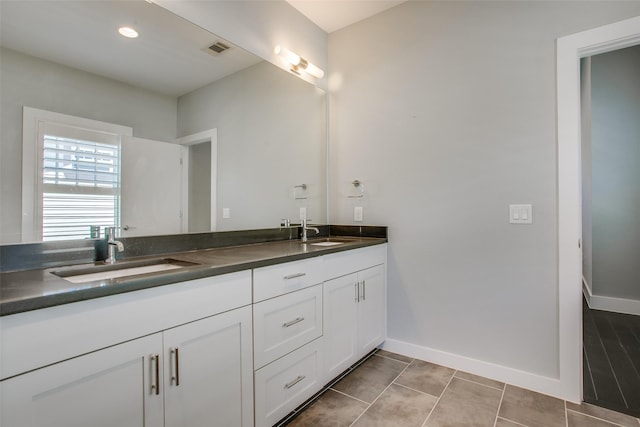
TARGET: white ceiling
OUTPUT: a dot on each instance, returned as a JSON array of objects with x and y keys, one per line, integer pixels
[
  {"x": 169, "y": 57},
  {"x": 332, "y": 15}
]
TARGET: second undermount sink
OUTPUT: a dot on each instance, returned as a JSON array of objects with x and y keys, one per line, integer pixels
[
  {"x": 328, "y": 241},
  {"x": 126, "y": 269}
]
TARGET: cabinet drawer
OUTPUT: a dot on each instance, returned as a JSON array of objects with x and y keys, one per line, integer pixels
[
  {"x": 274, "y": 280},
  {"x": 286, "y": 383},
  {"x": 343, "y": 263},
  {"x": 285, "y": 323}
]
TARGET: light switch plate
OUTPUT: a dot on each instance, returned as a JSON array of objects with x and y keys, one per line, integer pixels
[
  {"x": 358, "y": 213},
  {"x": 521, "y": 214},
  {"x": 303, "y": 213},
  {"x": 226, "y": 213}
]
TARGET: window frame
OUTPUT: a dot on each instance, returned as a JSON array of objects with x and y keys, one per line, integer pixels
[{"x": 33, "y": 121}]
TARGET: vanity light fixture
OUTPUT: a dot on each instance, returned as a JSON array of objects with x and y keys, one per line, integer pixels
[
  {"x": 298, "y": 63},
  {"x": 128, "y": 32}
]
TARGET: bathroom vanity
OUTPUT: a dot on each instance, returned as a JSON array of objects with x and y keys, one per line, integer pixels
[{"x": 267, "y": 327}]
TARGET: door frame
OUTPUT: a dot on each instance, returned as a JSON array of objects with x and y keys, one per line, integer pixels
[
  {"x": 210, "y": 135},
  {"x": 570, "y": 50}
]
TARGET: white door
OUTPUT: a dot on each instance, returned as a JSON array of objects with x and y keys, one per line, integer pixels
[
  {"x": 111, "y": 387},
  {"x": 209, "y": 372},
  {"x": 371, "y": 316},
  {"x": 340, "y": 324},
  {"x": 151, "y": 176}
]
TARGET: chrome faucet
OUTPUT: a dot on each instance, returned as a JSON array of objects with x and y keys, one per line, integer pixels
[
  {"x": 305, "y": 228},
  {"x": 112, "y": 245}
]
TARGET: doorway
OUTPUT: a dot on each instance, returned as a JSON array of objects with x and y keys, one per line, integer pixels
[
  {"x": 610, "y": 152},
  {"x": 569, "y": 51}
]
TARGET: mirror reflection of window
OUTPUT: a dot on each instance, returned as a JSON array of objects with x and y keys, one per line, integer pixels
[
  {"x": 80, "y": 184},
  {"x": 71, "y": 176}
]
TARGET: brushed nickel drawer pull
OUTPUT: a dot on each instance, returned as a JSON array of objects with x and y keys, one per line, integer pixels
[
  {"x": 294, "y": 382},
  {"x": 293, "y": 276},
  {"x": 292, "y": 322}
]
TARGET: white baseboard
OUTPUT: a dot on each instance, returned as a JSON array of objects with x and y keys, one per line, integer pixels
[
  {"x": 617, "y": 305},
  {"x": 546, "y": 385},
  {"x": 586, "y": 291}
]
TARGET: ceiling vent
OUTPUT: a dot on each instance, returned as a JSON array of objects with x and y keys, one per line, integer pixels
[{"x": 218, "y": 48}]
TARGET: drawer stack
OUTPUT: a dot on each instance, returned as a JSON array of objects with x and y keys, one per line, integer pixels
[{"x": 287, "y": 332}]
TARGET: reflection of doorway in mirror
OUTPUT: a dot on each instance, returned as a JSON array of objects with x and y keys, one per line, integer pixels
[{"x": 199, "y": 181}]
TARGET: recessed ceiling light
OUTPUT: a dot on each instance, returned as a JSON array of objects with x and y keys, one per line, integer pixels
[{"x": 128, "y": 32}]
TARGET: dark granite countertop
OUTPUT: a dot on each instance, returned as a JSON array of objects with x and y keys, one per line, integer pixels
[{"x": 34, "y": 289}]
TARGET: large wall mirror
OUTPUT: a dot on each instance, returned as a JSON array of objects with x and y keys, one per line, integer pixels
[{"x": 214, "y": 139}]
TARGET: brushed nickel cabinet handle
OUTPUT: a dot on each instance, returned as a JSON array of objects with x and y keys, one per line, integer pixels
[
  {"x": 293, "y": 276},
  {"x": 175, "y": 376},
  {"x": 292, "y": 322},
  {"x": 294, "y": 382},
  {"x": 357, "y": 291},
  {"x": 364, "y": 290},
  {"x": 155, "y": 385}
]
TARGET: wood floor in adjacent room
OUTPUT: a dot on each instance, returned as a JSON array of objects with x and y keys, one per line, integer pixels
[{"x": 612, "y": 360}]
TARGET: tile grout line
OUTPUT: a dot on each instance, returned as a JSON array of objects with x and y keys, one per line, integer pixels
[
  {"x": 413, "y": 389},
  {"x": 495, "y": 422},
  {"x": 510, "y": 421},
  {"x": 381, "y": 393},
  {"x": 595, "y": 417},
  {"x": 484, "y": 385},
  {"x": 615, "y": 377},
  {"x": 348, "y": 395},
  {"x": 586, "y": 357},
  {"x": 439, "y": 398}
]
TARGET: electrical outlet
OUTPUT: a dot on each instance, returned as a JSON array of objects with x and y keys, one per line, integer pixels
[
  {"x": 226, "y": 213},
  {"x": 358, "y": 213},
  {"x": 303, "y": 213}
]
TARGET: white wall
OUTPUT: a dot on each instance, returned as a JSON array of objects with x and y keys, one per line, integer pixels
[
  {"x": 615, "y": 79},
  {"x": 33, "y": 82},
  {"x": 446, "y": 110},
  {"x": 271, "y": 137}
]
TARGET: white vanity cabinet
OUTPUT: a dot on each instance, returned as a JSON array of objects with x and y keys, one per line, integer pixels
[
  {"x": 182, "y": 357},
  {"x": 354, "y": 307}
]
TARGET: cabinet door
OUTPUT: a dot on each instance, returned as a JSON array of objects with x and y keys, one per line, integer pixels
[
  {"x": 340, "y": 324},
  {"x": 371, "y": 309},
  {"x": 208, "y": 372},
  {"x": 110, "y": 387}
]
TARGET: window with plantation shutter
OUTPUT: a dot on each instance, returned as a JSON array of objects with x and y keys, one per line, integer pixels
[
  {"x": 80, "y": 185},
  {"x": 71, "y": 176}
]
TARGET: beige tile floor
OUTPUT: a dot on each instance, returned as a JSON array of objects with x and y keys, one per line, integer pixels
[{"x": 396, "y": 391}]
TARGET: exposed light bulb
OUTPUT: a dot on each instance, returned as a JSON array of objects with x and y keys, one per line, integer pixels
[{"x": 128, "y": 32}]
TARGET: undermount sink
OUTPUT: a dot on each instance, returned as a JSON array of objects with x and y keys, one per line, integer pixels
[
  {"x": 126, "y": 269},
  {"x": 328, "y": 241}
]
